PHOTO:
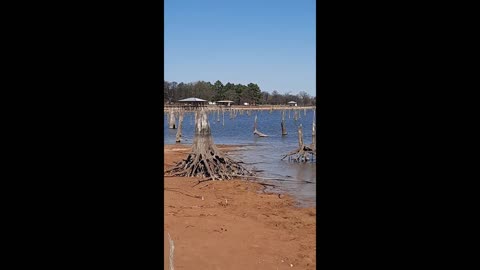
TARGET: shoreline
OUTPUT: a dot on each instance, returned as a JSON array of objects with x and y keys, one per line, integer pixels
[
  {"x": 233, "y": 224},
  {"x": 166, "y": 108}
]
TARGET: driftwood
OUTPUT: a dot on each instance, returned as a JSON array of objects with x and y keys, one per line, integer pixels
[
  {"x": 255, "y": 131},
  {"x": 205, "y": 159},
  {"x": 302, "y": 153}
]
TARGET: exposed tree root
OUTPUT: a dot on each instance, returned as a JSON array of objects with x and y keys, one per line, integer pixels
[
  {"x": 209, "y": 164},
  {"x": 304, "y": 152}
]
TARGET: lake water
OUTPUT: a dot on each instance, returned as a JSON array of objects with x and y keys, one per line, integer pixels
[{"x": 262, "y": 153}]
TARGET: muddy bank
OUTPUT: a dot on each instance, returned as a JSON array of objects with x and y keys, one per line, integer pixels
[{"x": 233, "y": 224}]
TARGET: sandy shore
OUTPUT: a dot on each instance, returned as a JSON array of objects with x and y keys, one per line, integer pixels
[{"x": 233, "y": 224}]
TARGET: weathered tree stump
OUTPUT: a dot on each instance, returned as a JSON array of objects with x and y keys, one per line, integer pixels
[
  {"x": 283, "y": 125},
  {"x": 302, "y": 153},
  {"x": 171, "y": 120},
  {"x": 179, "y": 131},
  {"x": 255, "y": 131},
  {"x": 314, "y": 134},
  {"x": 205, "y": 160}
]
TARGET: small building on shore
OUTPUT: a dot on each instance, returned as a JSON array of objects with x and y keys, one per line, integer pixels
[
  {"x": 292, "y": 103},
  {"x": 193, "y": 102},
  {"x": 225, "y": 103}
]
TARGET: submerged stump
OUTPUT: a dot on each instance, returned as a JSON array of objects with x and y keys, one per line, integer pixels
[
  {"x": 205, "y": 159},
  {"x": 303, "y": 152}
]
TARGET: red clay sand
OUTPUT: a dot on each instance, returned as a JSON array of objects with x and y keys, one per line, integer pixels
[{"x": 235, "y": 225}]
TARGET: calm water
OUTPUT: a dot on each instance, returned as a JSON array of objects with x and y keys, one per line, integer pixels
[{"x": 263, "y": 153}]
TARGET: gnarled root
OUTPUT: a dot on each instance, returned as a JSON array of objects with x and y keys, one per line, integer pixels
[
  {"x": 208, "y": 164},
  {"x": 302, "y": 154}
]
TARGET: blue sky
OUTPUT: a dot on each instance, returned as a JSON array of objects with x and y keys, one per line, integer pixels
[{"x": 267, "y": 42}]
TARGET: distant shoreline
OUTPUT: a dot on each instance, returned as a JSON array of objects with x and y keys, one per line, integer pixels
[{"x": 246, "y": 108}]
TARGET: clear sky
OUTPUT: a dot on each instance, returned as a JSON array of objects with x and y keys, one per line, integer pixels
[{"x": 267, "y": 42}]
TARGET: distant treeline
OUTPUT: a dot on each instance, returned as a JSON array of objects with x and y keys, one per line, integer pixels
[{"x": 238, "y": 93}]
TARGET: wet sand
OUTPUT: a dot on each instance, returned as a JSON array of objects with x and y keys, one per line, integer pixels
[{"x": 233, "y": 224}]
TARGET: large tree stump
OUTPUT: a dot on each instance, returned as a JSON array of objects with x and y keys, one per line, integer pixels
[
  {"x": 302, "y": 153},
  {"x": 205, "y": 160}
]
